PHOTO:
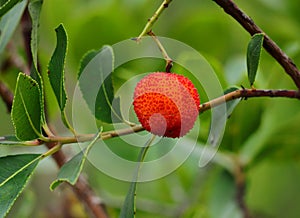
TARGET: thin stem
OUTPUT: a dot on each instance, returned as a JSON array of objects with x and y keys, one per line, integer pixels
[
  {"x": 153, "y": 19},
  {"x": 169, "y": 61},
  {"x": 52, "y": 150},
  {"x": 89, "y": 137},
  {"x": 6, "y": 96},
  {"x": 234, "y": 11},
  {"x": 248, "y": 93},
  {"x": 241, "y": 93}
]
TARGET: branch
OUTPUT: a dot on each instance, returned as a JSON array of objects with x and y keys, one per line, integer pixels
[
  {"x": 233, "y": 10},
  {"x": 6, "y": 96},
  {"x": 241, "y": 93},
  {"x": 240, "y": 182},
  {"x": 15, "y": 59},
  {"x": 26, "y": 25},
  {"x": 249, "y": 93},
  {"x": 169, "y": 61},
  {"x": 153, "y": 19}
]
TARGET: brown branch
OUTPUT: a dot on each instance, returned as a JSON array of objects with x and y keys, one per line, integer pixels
[
  {"x": 234, "y": 11},
  {"x": 249, "y": 93},
  {"x": 241, "y": 93},
  {"x": 14, "y": 59},
  {"x": 6, "y": 96},
  {"x": 26, "y": 25},
  {"x": 240, "y": 182}
]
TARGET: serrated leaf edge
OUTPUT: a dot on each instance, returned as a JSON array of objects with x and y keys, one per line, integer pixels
[
  {"x": 57, "y": 182},
  {"x": 23, "y": 102},
  {"x": 9, "y": 4},
  {"x": 21, "y": 169},
  {"x": 24, "y": 185},
  {"x": 62, "y": 104},
  {"x": 103, "y": 84}
]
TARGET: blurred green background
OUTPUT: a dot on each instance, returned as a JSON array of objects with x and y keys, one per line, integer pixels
[{"x": 261, "y": 130}]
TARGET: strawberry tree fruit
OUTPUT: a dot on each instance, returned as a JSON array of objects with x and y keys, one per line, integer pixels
[{"x": 166, "y": 104}]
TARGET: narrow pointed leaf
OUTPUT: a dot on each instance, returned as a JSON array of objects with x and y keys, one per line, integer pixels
[
  {"x": 15, "y": 172},
  {"x": 128, "y": 208},
  {"x": 56, "y": 67},
  {"x": 71, "y": 170},
  {"x": 96, "y": 84},
  {"x": 85, "y": 60},
  {"x": 10, "y": 20},
  {"x": 34, "y": 8},
  {"x": 253, "y": 56},
  {"x": 26, "y": 109}
]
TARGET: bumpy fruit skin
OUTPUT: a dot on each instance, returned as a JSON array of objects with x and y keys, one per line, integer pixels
[{"x": 166, "y": 104}]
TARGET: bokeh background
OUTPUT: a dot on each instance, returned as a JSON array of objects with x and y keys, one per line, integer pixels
[{"x": 264, "y": 131}]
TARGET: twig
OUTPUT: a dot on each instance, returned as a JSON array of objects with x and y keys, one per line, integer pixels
[
  {"x": 241, "y": 93},
  {"x": 240, "y": 182},
  {"x": 26, "y": 25},
  {"x": 234, "y": 11},
  {"x": 89, "y": 137},
  {"x": 248, "y": 93},
  {"x": 6, "y": 96},
  {"x": 153, "y": 19},
  {"x": 15, "y": 59},
  {"x": 169, "y": 61}
]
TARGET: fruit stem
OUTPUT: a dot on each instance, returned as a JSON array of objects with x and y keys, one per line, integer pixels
[
  {"x": 169, "y": 61},
  {"x": 153, "y": 19}
]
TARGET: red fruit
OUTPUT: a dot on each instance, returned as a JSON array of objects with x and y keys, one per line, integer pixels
[{"x": 166, "y": 104}]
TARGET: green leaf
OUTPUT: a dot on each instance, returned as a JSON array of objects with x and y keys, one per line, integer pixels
[
  {"x": 10, "y": 140},
  {"x": 71, "y": 170},
  {"x": 9, "y": 4},
  {"x": 128, "y": 209},
  {"x": 233, "y": 103},
  {"x": 34, "y": 8},
  {"x": 253, "y": 56},
  {"x": 56, "y": 67},
  {"x": 85, "y": 60},
  {"x": 10, "y": 21},
  {"x": 26, "y": 109},
  {"x": 15, "y": 172},
  {"x": 95, "y": 81},
  {"x": 13, "y": 140},
  {"x": 222, "y": 202}
]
